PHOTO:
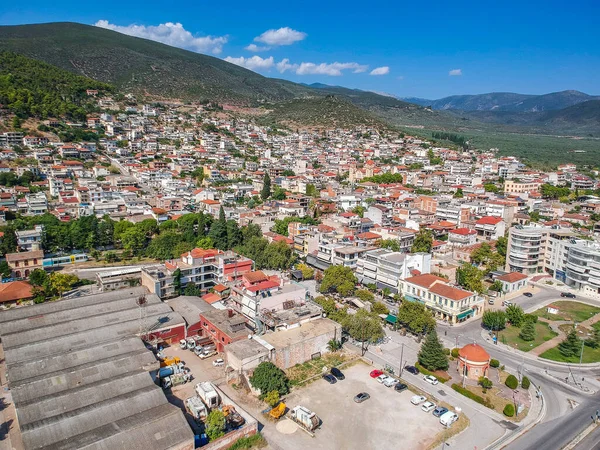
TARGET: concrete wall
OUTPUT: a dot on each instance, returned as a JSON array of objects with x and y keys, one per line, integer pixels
[{"x": 303, "y": 351}]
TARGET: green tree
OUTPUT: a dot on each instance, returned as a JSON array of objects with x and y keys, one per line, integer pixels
[
  {"x": 272, "y": 398},
  {"x": 432, "y": 355},
  {"x": 265, "y": 193},
  {"x": 215, "y": 424},
  {"x": 205, "y": 242},
  {"x": 234, "y": 235},
  {"x": 423, "y": 242},
  {"x": 494, "y": 320},
  {"x": 485, "y": 383},
  {"x": 365, "y": 295},
  {"x": 528, "y": 331},
  {"x": 525, "y": 383},
  {"x": 218, "y": 232},
  {"x": 311, "y": 190},
  {"x": 594, "y": 340},
  {"x": 496, "y": 286},
  {"x": 177, "y": 281},
  {"x": 364, "y": 326},
  {"x": 38, "y": 277},
  {"x": 416, "y": 317},
  {"x": 391, "y": 244},
  {"x": 133, "y": 240},
  {"x": 279, "y": 194},
  {"x": 571, "y": 346},
  {"x": 6, "y": 271},
  {"x": 338, "y": 279},
  {"x": 59, "y": 283},
  {"x": 459, "y": 193},
  {"x": 267, "y": 377},
  {"x": 334, "y": 345},
  {"x": 514, "y": 314},
  {"x": 379, "y": 308},
  {"x": 470, "y": 278},
  {"x": 307, "y": 272}
]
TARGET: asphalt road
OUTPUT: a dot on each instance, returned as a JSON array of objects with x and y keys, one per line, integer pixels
[{"x": 562, "y": 422}]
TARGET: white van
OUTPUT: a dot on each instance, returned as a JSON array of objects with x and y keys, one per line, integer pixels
[{"x": 448, "y": 418}]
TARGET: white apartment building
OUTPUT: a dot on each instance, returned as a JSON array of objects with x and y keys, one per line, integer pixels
[
  {"x": 385, "y": 268},
  {"x": 583, "y": 266}
]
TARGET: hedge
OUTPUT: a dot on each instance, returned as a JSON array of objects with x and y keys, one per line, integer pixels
[
  {"x": 454, "y": 353},
  {"x": 424, "y": 371},
  {"x": 512, "y": 382},
  {"x": 476, "y": 398},
  {"x": 525, "y": 383},
  {"x": 509, "y": 410},
  {"x": 494, "y": 363}
]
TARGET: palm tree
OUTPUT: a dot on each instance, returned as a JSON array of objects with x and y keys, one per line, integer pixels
[{"x": 334, "y": 345}]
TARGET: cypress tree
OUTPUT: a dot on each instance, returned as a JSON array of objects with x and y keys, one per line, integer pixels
[
  {"x": 431, "y": 355},
  {"x": 528, "y": 331},
  {"x": 266, "y": 190}
]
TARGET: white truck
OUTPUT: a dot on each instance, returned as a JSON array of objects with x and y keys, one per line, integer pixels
[
  {"x": 175, "y": 380},
  {"x": 196, "y": 408},
  {"x": 448, "y": 418},
  {"x": 305, "y": 418},
  {"x": 207, "y": 392}
]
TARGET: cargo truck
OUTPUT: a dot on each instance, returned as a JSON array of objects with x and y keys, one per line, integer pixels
[
  {"x": 196, "y": 408},
  {"x": 173, "y": 369},
  {"x": 170, "y": 361},
  {"x": 305, "y": 418},
  {"x": 175, "y": 380},
  {"x": 207, "y": 392}
]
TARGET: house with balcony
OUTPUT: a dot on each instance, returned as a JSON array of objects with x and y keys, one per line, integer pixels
[
  {"x": 28, "y": 240},
  {"x": 447, "y": 303},
  {"x": 461, "y": 237},
  {"x": 489, "y": 228},
  {"x": 386, "y": 268}
]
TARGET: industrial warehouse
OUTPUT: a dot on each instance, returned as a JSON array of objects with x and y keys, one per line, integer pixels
[{"x": 80, "y": 376}]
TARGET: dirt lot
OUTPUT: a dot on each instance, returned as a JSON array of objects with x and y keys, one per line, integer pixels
[{"x": 386, "y": 420}]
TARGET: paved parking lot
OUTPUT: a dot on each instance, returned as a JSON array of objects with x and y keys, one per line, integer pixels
[{"x": 386, "y": 420}]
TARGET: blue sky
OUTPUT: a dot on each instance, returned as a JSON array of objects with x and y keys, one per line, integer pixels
[{"x": 421, "y": 49}]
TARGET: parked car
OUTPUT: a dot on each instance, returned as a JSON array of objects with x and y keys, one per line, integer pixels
[
  {"x": 412, "y": 369},
  {"x": 399, "y": 387},
  {"x": 440, "y": 411},
  {"x": 330, "y": 378},
  {"x": 431, "y": 379},
  {"x": 375, "y": 373},
  {"x": 448, "y": 418},
  {"x": 491, "y": 301},
  {"x": 337, "y": 373},
  {"x": 568, "y": 295},
  {"x": 218, "y": 362},
  {"x": 381, "y": 378},
  {"x": 390, "y": 381},
  {"x": 427, "y": 407},
  {"x": 528, "y": 294},
  {"x": 362, "y": 397},
  {"x": 417, "y": 399},
  {"x": 506, "y": 303}
]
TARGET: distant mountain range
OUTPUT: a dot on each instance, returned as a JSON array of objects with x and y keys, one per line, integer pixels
[
  {"x": 506, "y": 101},
  {"x": 162, "y": 72}
]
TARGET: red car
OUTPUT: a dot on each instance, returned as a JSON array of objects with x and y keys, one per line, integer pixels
[{"x": 375, "y": 373}]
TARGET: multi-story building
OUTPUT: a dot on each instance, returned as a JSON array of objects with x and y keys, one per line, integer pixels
[
  {"x": 202, "y": 268},
  {"x": 23, "y": 263},
  {"x": 446, "y": 302},
  {"x": 583, "y": 266},
  {"x": 258, "y": 296},
  {"x": 462, "y": 237},
  {"x": 386, "y": 268},
  {"x": 536, "y": 249},
  {"x": 518, "y": 187},
  {"x": 489, "y": 228},
  {"x": 28, "y": 240}
]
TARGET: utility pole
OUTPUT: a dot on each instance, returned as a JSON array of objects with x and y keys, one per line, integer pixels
[
  {"x": 401, "y": 359},
  {"x": 581, "y": 355}
]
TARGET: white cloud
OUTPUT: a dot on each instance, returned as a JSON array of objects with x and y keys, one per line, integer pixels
[
  {"x": 255, "y": 63},
  {"x": 455, "y": 72},
  {"x": 259, "y": 64},
  {"x": 257, "y": 48},
  {"x": 171, "y": 34},
  {"x": 333, "y": 69},
  {"x": 380, "y": 71},
  {"x": 281, "y": 36},
  {"x": 284, "y": 65}
]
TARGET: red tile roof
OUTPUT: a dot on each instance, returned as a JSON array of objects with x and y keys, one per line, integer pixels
[
  {"x": 15, "y": 290},
  {"x": 512, "y": 277},
  {"x": 489, "y": 220},
  {"x": 425, "y": 280}
]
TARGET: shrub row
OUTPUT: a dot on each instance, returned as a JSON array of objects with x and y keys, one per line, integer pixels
[
  {"x": 476, "y": 398},
  {"x": 424, "y": 371}
]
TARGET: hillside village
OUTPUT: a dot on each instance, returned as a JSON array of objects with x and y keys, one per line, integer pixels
[{"x": 194, "y": 221}]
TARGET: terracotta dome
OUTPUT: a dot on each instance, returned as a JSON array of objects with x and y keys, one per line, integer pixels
[{"x": 474, "y": 353}]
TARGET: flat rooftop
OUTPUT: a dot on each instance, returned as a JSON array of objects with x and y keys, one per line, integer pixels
[
  {"x": 81, "y": 377},
  {"x": 307, "y": 330}
]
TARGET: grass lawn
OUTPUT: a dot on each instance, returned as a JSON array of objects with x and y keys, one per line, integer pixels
[
  {"x": 302, "y": 373},
  {"x": 590, "y": 355},
  {"x": 510, "y": 336},
  {"x": 569, "y": 310},
  {"x": 497, "y": 400}
]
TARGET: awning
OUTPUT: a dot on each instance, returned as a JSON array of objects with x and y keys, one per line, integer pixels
[
  {"x": 313, "y": 261},
  {"x": 410, "y": 298},
  {"x": 391, "y": 319},
  {"x": 464, "y": 314}
]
